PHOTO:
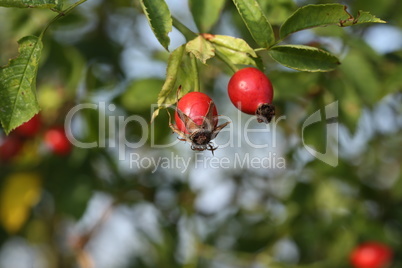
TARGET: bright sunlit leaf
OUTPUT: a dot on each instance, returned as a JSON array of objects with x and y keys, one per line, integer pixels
[
  {"x": 200, "y": 48},
  {"x": 235, "y": 49},
  {"x": 19, "y": 193}
]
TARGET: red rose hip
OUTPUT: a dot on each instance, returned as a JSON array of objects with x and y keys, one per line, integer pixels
[
  {"x": 56, "y": 139},
  {"x": 371, "y": 255},
  {"x": 9, "y": 148},
  {"x": 30, "y": 128},
  {"x": 196, "y": 120},
  {"x": 195, "y": 105},
  {"x": 251, "y": 92}
]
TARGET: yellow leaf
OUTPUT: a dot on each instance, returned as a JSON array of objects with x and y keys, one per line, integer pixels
[{"x": 19, "y": 193}]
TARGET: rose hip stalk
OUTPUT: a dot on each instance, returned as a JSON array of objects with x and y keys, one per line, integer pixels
[
  {"x": 251, "y": 92},
  {"x": 196, "y": 120}
]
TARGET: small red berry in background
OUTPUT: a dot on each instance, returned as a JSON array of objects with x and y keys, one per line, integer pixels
[
  {"x": 56, "y": 139},
  {"x": 251, "y": 92},
  {"x": 371, "y": 255},
  {"x": 10, "y": 147},
  {"x": 30, "y": 128},
  {"x": 196, "y": 120}
]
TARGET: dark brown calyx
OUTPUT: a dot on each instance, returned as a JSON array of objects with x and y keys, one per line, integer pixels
[
  {"x": 265, "y": 112},
  {"x": 201, "y": 137}
]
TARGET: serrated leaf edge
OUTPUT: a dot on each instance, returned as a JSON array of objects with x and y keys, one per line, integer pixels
[
  {"x": 170, "y": 28},
  {"x": 302, "y": 47},
  {"x": 7, "y": 127}
]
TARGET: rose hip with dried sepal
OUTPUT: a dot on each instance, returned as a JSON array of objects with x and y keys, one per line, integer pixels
[
  {"x": 196, "y": 120},
  {"x": 251, "y": 92}
]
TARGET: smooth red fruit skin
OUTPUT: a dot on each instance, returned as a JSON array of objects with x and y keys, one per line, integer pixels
[
  {"x": 56, "y": 139},
  {"x": 9, "y": 148},
  {"x": 195, "y": 105},
  {"x": 371, "y": 255},
  {"x": 249, "y": 88},
  {"x": 29, "y": 128}
]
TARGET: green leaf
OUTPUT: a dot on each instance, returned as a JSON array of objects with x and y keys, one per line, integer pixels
[
  {"x": 366, "y": 17},
  {"x": 134, "y": 100},
  {"x": 239, "y": 57},
  {"x": 362, "y": 74},
  {"x": 321, "y": 15},
  {"x": 256, "y": 22},
  {"x": 32, "y": 3},
  {"x": 285, "y": 86},
  {"x": 232, "y": 43},
  {"x": 200, "y": 48},
  {"x": 159, "y": 18},
  {"x": 304, "y": 58},
  {"x": 18, "y": 101},
  {"x": 350, "y": 103},
  {"x": 277, "y": 10},
  {"x": 350, "y": 109},
  {"x": 206, "y": 13},
  {"x": 181, "y": 72},
  {"x": 235, "y": 49}
]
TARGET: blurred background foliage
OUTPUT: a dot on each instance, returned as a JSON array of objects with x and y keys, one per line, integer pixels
[{"x": 93, "y": 209}]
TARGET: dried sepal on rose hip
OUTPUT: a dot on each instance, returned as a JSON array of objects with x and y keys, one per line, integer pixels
[
  {"x": 251, "y": 92},
  {"x": 196, "y": 121}
]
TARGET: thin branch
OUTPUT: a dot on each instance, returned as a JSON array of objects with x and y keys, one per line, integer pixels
[
  {"x": 60, "y": 15},
  {"x": 188, "y": 34}
]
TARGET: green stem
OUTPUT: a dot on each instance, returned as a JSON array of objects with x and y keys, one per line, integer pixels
[
  {"x": 188, "y": 34},
  {"x": 195, "y": 67},
  {"x": 60, "y": 15},
  {"x": 226, "y": 60}
]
